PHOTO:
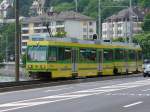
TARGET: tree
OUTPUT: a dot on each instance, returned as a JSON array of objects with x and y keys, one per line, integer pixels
[
  {"x": 144, "y": 3},
  {"x": 61, "y": 34},
  {"x": 63, "y": 7},
  {"x": 146, "y": 24},
  {"x": 144, "y": 41},
  {"x": 7, "y": 41},
  {"x": 119, "y": 40}
]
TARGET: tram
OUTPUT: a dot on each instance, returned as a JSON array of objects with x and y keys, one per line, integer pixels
[{"x": 71, "y": 58}]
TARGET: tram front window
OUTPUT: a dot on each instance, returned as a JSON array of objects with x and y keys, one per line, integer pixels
[{"x": 37, "y": 53}]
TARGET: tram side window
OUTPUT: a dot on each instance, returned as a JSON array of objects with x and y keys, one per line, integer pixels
[
  {"x": 37, "y": 53},
  {"x": 52, "y": 54},
  {"x": 119, "y": 54},
  {"x": 108, "y": 55},
  {"x": 87, "y": 55},
  {"x": 64, "y": 54},
  {"x": 132, "y": 55}
]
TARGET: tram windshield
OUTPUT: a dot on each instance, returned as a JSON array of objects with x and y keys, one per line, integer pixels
[{"x": 37, "y": 53}]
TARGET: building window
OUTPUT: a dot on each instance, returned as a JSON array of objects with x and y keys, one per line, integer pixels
[
  {"x": 37, "y": 31},
  {"x": 119, "y": 32},
  {"x": 84, "y": 30},
  {"x": 23, "y": 50},
  {"x": 91, "y": 36},
  {"x": 119, "y": 24},
  {"x": 25, "y": 25},
  {"x": 25, "y": 37},
  {"x": 91, "y": 30},
  {"x": 84, "y": 23},
  {"x": 85, "y": 37},
  {"x": 45, "y": 30},
  {"x": 25, "y": 31},
  {"x": 59, "y": 23},
  {"x": 90, "y": 23},
  {"x": 24, "y": 43},
  {"x": 37, "y": 24},
  {"x": 104, "y": 32},
  {"x": 60, "y": 30}
]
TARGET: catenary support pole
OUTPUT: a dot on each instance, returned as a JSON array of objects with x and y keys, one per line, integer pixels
[
  {"x": 17, "y": 41},
  {"x": 99, "y": 21},
  {"x": 131, "y": 22}
]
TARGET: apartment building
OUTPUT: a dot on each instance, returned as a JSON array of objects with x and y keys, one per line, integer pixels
[
  {"x": 119, "y": 25},
  {"x": 75, "y": 25}
]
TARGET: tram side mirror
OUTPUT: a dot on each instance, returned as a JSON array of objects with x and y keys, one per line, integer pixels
[{"x": 95, "y": 37}]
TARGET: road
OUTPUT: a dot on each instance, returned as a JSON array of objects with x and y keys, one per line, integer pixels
[{"x": 117, "y": 95}]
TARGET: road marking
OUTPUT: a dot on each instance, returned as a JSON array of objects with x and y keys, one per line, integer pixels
[
  {"x": 70, "y": 95},
  {"x": 146, "y": 90},
  {"x": 133, "y": 104},
  {"x": 126, "y": 94},
  {"x": 52, "y": 90},
  {"x": 31, "y": 90}
]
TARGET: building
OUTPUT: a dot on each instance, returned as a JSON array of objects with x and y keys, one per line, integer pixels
[
  {"x": 119, "y": 25},
  {"x": 75, "y": 25}
]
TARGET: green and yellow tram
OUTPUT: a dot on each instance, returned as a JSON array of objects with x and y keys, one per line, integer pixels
[{"x": 64, "y": 58}]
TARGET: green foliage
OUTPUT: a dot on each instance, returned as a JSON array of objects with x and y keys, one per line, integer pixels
[
  {"x": 146, "y": 24},
  {"x": 24, "y": 60},
  {"x": 7, "y": 39},
  {"x": 144, "y": 41},
  {"x": 60, "y": 34},
  {"x": 63, "y": 7},
  {"x": 144, "y": 3},
  {"x": 1, "y": 60},
  {"x": 88, "y": 7},
  {"x": 119, "y": 40},
  {"x": 25, "y": 6}
]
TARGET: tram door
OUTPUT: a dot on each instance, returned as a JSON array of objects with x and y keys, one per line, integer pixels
[
  {"x": 74, "y": 58},
  {"x": 100, "y": 62},
  {"x": 126, "y": 57}
]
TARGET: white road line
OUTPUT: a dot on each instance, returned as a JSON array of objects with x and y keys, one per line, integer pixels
[
  {"x": 133, "y": 104},
  {"x": 146, "y": 90},
  {"x": 75, "y": 94},
  {"x": 52, "y": 90},
  {"x": 31, "y": 90}
]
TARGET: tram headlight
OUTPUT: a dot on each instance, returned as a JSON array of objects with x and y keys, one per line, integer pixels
[{"x": 29, "y": 66}]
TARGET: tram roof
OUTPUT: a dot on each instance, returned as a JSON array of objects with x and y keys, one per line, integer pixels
[{"x": 82, "y": 42}]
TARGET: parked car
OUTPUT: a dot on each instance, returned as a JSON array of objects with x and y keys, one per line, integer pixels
[{"x": 146, "y": 67}]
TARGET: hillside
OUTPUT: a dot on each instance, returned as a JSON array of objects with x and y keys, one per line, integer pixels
[{"x": 87, "y": 7}]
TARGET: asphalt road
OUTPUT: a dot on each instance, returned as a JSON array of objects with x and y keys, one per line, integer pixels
[{"x": 117, "y": 95}]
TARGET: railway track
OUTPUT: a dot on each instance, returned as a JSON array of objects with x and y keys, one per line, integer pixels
[{"x": 14, "y": 86}]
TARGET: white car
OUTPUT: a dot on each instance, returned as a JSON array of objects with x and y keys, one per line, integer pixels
[{"x": 146, "y": 68}]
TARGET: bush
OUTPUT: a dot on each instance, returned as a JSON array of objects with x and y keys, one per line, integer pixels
[
  {"x": 24, "y": 60},
  {"x": 1, "y": 60}
]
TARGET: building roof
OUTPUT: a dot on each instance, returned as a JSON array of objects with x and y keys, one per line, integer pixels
[
  {"x": 62, "y": 16},
  {"x": 125, "y": 14}
]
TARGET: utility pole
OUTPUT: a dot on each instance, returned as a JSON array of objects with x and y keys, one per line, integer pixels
[
  {"x": 17, "y": 59},
  {"x": 99, "y": 21},
  {"x": 131, "y": 22},
  {"x": 76, "y": 2}
]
